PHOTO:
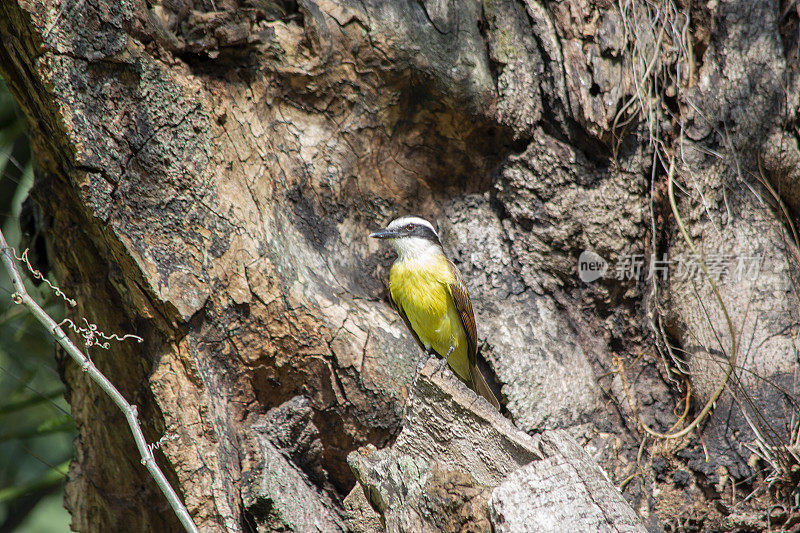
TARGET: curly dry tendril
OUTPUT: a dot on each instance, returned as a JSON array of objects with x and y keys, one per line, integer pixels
[
  {"x": 38, "y": 275},
  {"x": 91, "y": 333},
  {"x": 157, "y": 445}
]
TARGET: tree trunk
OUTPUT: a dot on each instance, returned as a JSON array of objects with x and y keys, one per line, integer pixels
[{"x": 209, "y": 172}]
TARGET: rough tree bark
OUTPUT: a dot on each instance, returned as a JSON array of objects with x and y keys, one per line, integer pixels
[{"x": 208, "y": 173}]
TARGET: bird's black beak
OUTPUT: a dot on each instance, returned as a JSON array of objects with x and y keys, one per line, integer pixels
[{"x": 384, "y": 234}]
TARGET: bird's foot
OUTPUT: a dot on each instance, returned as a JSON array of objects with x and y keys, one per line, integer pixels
[
  {"x": 420, "y": 364},
  {"x": 443, "y": 362}
]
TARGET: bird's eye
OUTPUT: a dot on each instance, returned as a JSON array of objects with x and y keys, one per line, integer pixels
[{"x": 409, "y": 227}]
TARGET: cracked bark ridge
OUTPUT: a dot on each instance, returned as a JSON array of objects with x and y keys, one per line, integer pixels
[
  {"x": 455, "y": 454},
  {"x": 276, "y": 492},
  {"x": 359, "y": 516},
  {"x": 565, "y": 491}
]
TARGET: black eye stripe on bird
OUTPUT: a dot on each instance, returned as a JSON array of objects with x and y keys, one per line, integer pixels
[
  {"x": 432, "y": 299},
  {"x": 425, "y": 232}
]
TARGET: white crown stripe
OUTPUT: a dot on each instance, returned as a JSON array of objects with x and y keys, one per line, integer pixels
[{"x": 402, "y": 221}]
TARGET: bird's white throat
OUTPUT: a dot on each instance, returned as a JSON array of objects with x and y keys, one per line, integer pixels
[{"x": 416, "y": 249}]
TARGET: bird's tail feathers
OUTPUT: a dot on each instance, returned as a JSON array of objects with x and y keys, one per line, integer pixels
[{"x": 481, "y": 387}]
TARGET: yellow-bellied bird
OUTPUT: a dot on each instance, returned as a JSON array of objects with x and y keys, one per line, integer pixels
[{"x": 431, "y": 297}]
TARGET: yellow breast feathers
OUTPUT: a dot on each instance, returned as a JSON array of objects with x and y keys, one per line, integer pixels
[{"x": 421, "y": 291}]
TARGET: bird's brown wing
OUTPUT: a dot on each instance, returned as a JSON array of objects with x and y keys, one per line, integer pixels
[
  {"x": 464, "y": 307},
  {"x": 402, "y": 314}
]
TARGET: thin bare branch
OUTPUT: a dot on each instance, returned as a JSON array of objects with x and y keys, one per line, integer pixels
[{"x": 22, "y": 297}]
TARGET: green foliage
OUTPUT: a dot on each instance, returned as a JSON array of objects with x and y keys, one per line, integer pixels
[{"x": 36, "y": 429}]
